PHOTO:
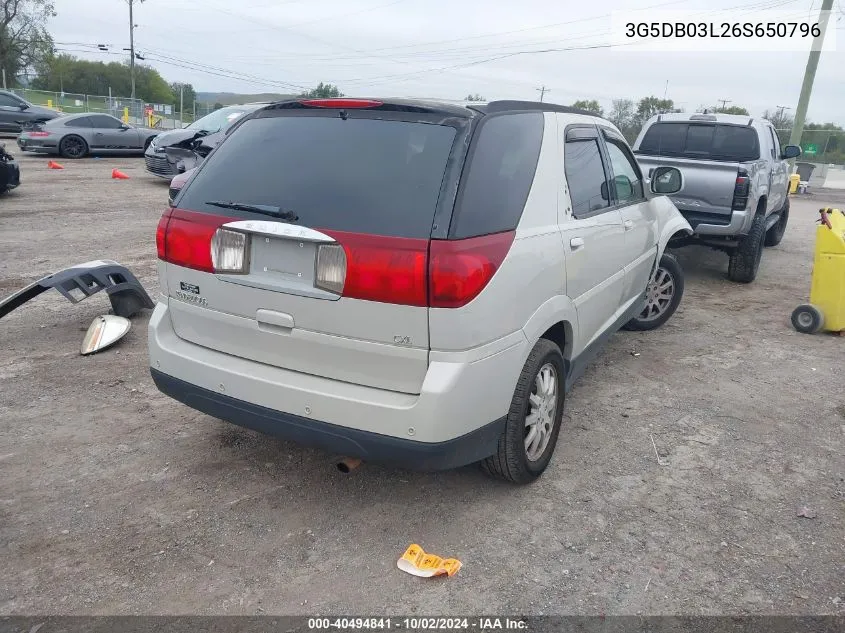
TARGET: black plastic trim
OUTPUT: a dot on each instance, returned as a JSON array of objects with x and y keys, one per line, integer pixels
[{"x": 374, "y": 447}]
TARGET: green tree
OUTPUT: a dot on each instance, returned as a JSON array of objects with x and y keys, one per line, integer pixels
[
  {"x": 323, "y": 91},
  {"x": 779, "y": 118},
  {"x": 590, "y": 106},
  {"x": 24, "y": 40},
  {"x": 474, "y": 97},
  {"x": 66, "y": 73},
  {"x": 647, "y": 107},
  {"x": 218, "y": 105},
  {"x": 623, "y": 116},
  {"x": 188, "y": 94},
  {"x": 730, "y": 110}
]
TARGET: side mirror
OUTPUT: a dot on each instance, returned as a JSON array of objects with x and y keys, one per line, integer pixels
[
  {"x": 123, "y": 126},
  {"x": 791, "y": 151},
  {"x": 604, "y": 193},
  {"x": 624, "y": 187},
  {"x": 666, "y": 181}
]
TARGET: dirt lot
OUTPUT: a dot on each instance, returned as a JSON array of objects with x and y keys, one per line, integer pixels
[{"x": 116, "y": 499}]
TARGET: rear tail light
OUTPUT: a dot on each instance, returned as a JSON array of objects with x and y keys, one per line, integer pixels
[
  {"x": 39, "y": 134},
  {"x": 196, "y": 240},
  {"x": 385, "y": 269},
  {"x": 741, "y": 189},
  {"x": 439, "y": 274},
  {"x": 229, "y": 251},
  {"x": 331, "y": 268},
  {"x": 460, "y": 269}
]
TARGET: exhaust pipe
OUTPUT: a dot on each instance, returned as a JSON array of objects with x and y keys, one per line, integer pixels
[{"x": 348, "y": 464}]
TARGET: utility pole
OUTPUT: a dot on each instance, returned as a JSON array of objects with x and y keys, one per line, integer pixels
[
  {"x": 543, "y": 90},
  {"x": 4, "y": 79},
  {"x": 181, "y": 102},
  {"x": 810, "y": 75},
  {"x": 132, "y": 46},
  {"x": 780, "y": 111},
  {"x": 724, "y": 102}
]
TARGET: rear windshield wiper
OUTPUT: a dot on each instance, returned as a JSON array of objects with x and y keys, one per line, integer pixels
[{"x": 264, "y": 209}]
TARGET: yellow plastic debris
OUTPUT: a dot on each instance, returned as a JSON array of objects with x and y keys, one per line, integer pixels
[{"x": 417, "y": 563}]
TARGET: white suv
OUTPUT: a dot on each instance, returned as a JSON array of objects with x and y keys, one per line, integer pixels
[{"x": 409, "y": 282}]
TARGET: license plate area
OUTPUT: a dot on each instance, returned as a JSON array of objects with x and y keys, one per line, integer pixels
[{"x": 282, "y": 265}]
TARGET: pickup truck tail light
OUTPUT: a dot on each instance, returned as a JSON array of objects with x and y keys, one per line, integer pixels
[{"x": 741, "y": 189}]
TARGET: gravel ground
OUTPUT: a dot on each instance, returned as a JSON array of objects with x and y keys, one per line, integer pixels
[{"x": 117, "y": 500}]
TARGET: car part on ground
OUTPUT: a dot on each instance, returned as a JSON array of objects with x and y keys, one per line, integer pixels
[
  {"x": 10, "y": 173},
  {"x": 104, "y": 331},
  {"x": 18, "y": 114},
  {"x": 737, "y": 175},
  {"x": 79, "y": 282},
  {"x": 79, "y": 135},
  {"x": 826, "y": 310},
  {"x": 178, "y": 151},
  {"x": 401, "y": 298}
]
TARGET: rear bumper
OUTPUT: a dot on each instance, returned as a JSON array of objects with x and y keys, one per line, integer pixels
[
  {"x": 342, "y": 440},
  {"x": 737, "y": 223},
  {"x": 455, "y": 420}
]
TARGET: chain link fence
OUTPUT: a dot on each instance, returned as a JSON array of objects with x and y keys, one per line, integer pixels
[{"x": 164, "y": 116}]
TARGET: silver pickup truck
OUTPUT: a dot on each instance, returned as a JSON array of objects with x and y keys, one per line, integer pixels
[{"x": 736, "y": 181}]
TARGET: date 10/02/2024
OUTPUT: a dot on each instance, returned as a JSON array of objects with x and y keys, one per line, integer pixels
[{"x": 480, "y": 624}]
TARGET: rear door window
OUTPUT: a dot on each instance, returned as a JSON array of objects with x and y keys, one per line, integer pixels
[
  {"x": 80, "y": 122},
  {"x": 586, "y": 177},
  {"x": 707, "y": 141},
  {"x": 361, "y": 175},
  {"x": 499, "y": 174}
]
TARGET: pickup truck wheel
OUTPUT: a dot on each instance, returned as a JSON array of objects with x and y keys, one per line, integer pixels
[
  {"x": 534, "y": 419},
  {"x": 663, "y": 295},
  {"x": 745, "y": 259},
  {"x": 775, "y": 234}
]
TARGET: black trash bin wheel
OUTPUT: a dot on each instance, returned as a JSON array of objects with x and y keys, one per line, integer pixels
[{"x": 807, "y": 318}]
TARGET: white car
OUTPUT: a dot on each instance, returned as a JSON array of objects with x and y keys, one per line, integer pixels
[{"x": 410, "y": 282}]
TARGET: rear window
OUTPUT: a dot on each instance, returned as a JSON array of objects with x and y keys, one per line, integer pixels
[
  {"x": 500, "y": 172},
  {"x": 709, "y": 141},
  {"x": 361, "y": 175}
]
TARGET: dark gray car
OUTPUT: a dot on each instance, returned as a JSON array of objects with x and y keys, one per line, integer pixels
[
  {"x": 14, "y": 111},
  {"x": 78, "y": 135}
]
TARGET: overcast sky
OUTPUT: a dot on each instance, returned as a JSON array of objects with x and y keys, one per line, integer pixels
[{"x": 447, "y": 49}]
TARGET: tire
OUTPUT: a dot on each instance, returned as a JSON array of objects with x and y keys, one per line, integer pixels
[
  {"x": 745, "y": 259},
  {"x": 660, "y": 304},
  {"x": 73, "y": 146},
  {"x": 807, "y": 318},
  {"x": 775, "y": 234},
  {"x": 513, "y": 460}
]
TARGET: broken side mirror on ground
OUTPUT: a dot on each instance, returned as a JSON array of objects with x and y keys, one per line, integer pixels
[{"x": 105, "y": 331}]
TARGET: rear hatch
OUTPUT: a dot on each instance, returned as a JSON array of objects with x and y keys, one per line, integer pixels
[
  {"x": 709, "y": 155},
  {"x": 321, "y": 263}
]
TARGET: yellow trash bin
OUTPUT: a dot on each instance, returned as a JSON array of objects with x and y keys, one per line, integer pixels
[
  {"x": 794, "y": 179},
  {"x": 826, "y": 310}
]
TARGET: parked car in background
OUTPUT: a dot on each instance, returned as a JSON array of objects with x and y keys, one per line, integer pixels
[
  {"x": 78, "y": 135},
  {"x": 412, "y": 282},
  {"x": 176, "y": 185},
  {"x": 10, "y": 174},
  {"x": 736, "y": 180},
  {"x": 16, "y": 112},
  {"x": 180, "y": 150}
]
